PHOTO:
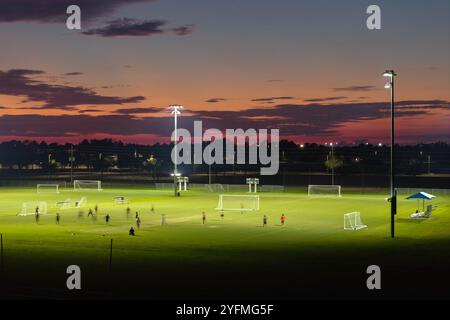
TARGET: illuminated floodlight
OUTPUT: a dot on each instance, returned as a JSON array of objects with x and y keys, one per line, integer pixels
[{"x": 389, "y": 73}]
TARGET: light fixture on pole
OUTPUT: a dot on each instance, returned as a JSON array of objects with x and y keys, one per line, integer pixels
[
  {"x": 175, "y": 111},
  {"x": 390, "y": 75}
]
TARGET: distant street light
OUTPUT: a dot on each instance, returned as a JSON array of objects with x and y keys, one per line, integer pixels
[
  {"x": 390, "y": 74},
  {"x": 175, "y": 111}
]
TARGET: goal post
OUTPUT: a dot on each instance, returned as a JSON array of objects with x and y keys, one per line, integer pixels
[
  {"x": 352, "y": 221},
  {"x": 324, "y": 190},
  {"x": 29, "y": 208},
  {"x": 47, "y": 188},
  {"x": 238, "y": 202},
  {"x": 214, "y": 187},
  {"x": 69, "y": 204},
  {"x": 87, "y": 185},
  {"x": 81, "y": 203},
  {"x": 252, "y": 184}
]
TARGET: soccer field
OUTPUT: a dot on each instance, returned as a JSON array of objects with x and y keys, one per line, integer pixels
[{"x": 311, "y": 256}]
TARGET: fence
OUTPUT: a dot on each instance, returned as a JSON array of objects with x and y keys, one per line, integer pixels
[{"x": 217, "y": 187}]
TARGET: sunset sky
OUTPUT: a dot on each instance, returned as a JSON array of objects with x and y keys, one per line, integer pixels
[{"x": 310, "y": 68}]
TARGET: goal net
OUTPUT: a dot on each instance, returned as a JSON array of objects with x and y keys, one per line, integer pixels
[
  {"x": 29, "y": 208},
  {"x": 81, "y": 203},
  {"x": 238, "y": 202},
  {"x": 214, "y": 187},
  {"x": 352, "y": 221},
  {"x": 47, "y": 188},
  {"x": 87, "y": 185},
  {"x": 324, "y": 190}
]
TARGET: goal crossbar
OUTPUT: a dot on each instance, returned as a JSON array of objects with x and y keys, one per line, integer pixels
[
  {"x": 47, "y": 188},
  {"x": 87, "y": 185}
]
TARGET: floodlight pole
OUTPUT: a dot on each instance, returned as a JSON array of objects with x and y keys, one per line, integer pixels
[
  {"x": 209, "y": 169},
  {"x": 391, "y": 75},
  {"x": 332, "y": 167},
  {"x": 175, "y": 111}
]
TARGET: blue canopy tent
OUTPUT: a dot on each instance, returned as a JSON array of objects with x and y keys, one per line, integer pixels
[{"x": 421, "y": 196}]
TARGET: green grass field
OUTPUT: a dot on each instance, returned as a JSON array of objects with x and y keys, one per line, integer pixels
[{"x": 311, "y": 256}]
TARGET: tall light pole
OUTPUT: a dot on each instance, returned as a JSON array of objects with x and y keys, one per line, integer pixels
[
  {"x": 390, "y": 75},
  {"x": 332, "y": 167},
  {"x": 175, "y": 111}
]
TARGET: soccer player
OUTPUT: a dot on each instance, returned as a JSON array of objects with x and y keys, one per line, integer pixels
[
  {"x": 203, "y": 217},
  {"x": 96, "y": 209},
  {"x": 163, "y": 219},
  {"x": 138, "y": 222},
  {"x": 107, "y": 218},
  {"x": 36, "y": 216},
  {"x": 58, "y": 218},
  {"x": 131, "y": 232},
  {"x": 282, "y": 219},
  {"x": 152, "y": 210},
  {"x": 137, "y": 215},
  {"x": 90, "y": 213},
  {"x": 128, "y": 212},
  {"x": 264, "y": 220}
]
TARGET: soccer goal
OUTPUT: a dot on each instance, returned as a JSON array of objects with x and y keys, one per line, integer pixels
[
  {"x": 29, "y": 208},
  {"x": 324, "y": 190},
  {"x": 352, "y": 221},
  {"x": 63, "y": 205},
  {"x": 214, "y": 187},
  {"x": 47, "y": 188},
  {"x": 87, "y": 185},
  {"x": 238, "y": 202}
]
